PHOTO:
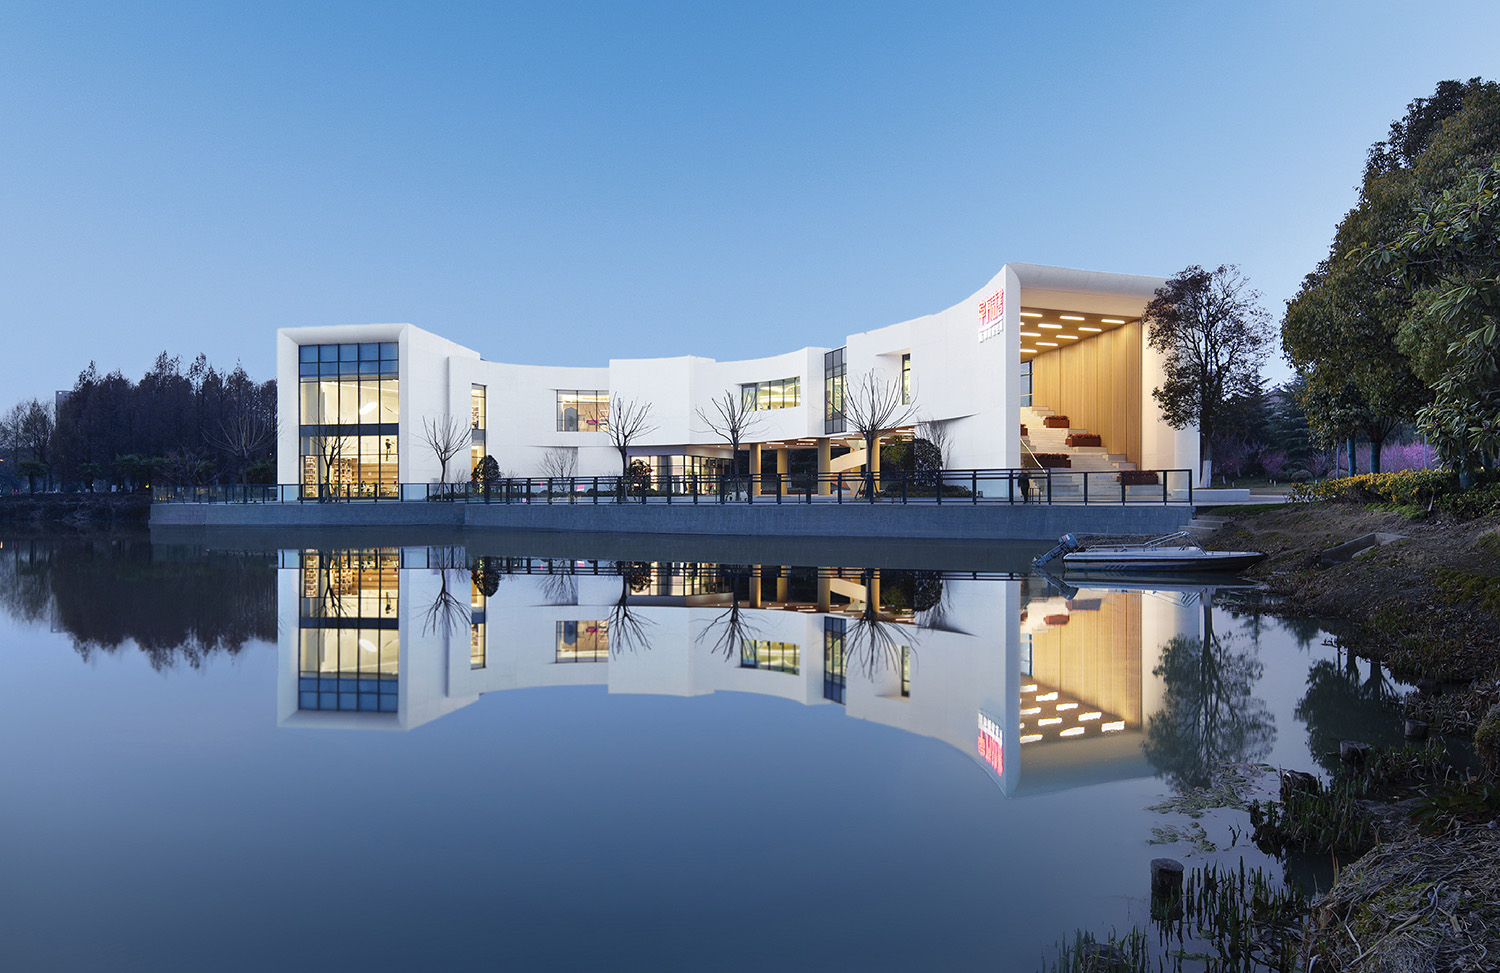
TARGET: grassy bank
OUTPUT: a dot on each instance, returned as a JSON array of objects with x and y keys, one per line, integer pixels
[{"x": 81, "y": 511}]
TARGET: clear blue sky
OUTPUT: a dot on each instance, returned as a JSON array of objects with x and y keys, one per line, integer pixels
[{"x": 562, "y": 183}]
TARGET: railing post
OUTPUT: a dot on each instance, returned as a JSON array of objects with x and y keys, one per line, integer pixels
[
  {"x": 780, "y": 486},
  {"x": 1049, "y": 486},
  {"x": 1085, "y": 488},
  {"x": 596, "y": 490},
  {"x": 841, "y": 488}
]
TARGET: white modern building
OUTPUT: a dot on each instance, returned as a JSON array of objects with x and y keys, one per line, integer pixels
[{"x": 354, "y": 400}]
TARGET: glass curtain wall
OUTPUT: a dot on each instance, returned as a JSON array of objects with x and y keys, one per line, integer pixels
[
  {"x": 783, "y": 393},
  {"x": 349, "y": 413},
  {"x": 582, "y": 410}
]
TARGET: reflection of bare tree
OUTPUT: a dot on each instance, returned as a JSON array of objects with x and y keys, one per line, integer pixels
[
  {"x": 627, "y": 628},
  {"x": 729, "y": 631},
  {"x": 1208, "y": 717},
  {"x": 875, "y": 642},
  {"x": 559, "y": 586},
  {"x": 448, "y": 612}
]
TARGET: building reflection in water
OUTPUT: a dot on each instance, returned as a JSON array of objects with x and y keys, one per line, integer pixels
[{"x": 1043, "y": 688}]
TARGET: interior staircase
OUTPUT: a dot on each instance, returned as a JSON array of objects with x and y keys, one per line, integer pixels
[{"x": 1040, "y": 438}]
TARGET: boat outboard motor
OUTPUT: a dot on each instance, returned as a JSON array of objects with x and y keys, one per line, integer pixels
[{"x": 1066, "y": 544}]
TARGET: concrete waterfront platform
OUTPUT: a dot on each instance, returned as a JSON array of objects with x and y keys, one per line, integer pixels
[{"x": 889, "y": 521}]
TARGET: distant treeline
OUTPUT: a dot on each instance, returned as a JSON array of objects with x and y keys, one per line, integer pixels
[{"x": 192, "y": 427}]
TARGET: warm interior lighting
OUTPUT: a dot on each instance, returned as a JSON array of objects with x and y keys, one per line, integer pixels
[
  {"x": 367, "y": 645},
  {"x": 1032, "y": 711},
  {"x": 1112, "y": 727},
  {"x": 1054, "y": 327},
  {"x": 1070, "y": 337},
  {"x": 1031, "y": 334},
  {"x": 1029, "y": 688},
  {"x": 1072, "y": 731},
  {"x": 1113, "y": 320},
  {"x": 1047, "y": 344},
  {"x": 365, "y": 409},
  {"x": 1088, "y": 716},
  {"x": 1072, "y": 317},
  {"x": 1028, "y": 351},
  {"x": 1083, "y": 327},
  {"x": 1066, "y": 706},
  {"x": 1031, "y": 314},
  {"x": 1031, "y": 738},
  {"x": 1047, "y": 697},
  {"x": 1049, "y": 721}
]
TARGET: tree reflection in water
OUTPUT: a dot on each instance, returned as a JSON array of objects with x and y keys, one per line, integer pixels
[
  {"x": 1341, "y": 705},
  {"x": 628, "y": 629},
  {"x": 1208, "y": 717},
  {"x": 177, "y": 604},
  {"x": 875, "y": 642},
  {"x": 728, "y": 631}
]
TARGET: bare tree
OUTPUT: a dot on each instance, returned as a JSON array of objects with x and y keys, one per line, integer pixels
[
  {"x": 560, "y": 462},
  {"x": 447, "y": 612},
  {"x": 329, "y": 451},
  {"x": 873, "y": 405},
  {"x": 446, "y": 437},
  {"x": 629, "y": 422},
  {"x": 243, "y": 436},
  {"x": 628, "y": 629},
  {"x": 727, "y": 633},
  {"x": 731, "y": 418}
]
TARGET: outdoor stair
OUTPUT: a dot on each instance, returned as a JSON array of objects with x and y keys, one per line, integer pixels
[{"x": 1085, "y": 459}]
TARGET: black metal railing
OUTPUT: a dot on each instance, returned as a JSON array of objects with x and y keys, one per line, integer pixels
[{"x": 1007, "y": 486}]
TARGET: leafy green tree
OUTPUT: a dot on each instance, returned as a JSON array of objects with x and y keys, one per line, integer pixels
[
  {"x": 1356, "y": 328},
  {"x": 1450, "y": 255},
  {"x": 1215, "y": 337}
]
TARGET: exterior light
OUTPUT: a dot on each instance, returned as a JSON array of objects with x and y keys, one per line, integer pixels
[
  {"x": 1086, "y": 328},
  {"x": 1071, "y": 317},
  {"x": 1113, "y": 320}
]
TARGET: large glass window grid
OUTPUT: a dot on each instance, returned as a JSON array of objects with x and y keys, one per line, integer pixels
[
  {"x": 782, "y": 393},
  {"x": 705, "y": 469},
  {"x": 835, "y": 662},
  {"x": 835, "y": 370},
  {"x": 349, "y": 411},
  {"x": 772, "y": 656},
  {"x": 906, "y": 380},
  {"x": 582, "y": 410},
  {"x": 583, "y": 641},
  {"x": 348, "y": 641},
  {"x": 1026, "y": 383}
]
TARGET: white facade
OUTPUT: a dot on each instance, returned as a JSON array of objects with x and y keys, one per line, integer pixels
[{"x": 966, "y": 367}]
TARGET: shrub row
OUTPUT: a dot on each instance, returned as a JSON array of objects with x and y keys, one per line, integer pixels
[{"x": 1436, "y": 489}]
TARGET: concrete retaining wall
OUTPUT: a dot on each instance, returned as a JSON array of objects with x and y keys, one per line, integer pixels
[{"x": 960, "y": 521}]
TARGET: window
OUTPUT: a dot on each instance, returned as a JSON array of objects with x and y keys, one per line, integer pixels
[
  {"x": 477, "y": 602},
  {"x": 477, "y": 424},
  {"x": 835, "y": 369},
  {"x": 582, "y": 410},
  {"x": 906, "y": 380},
  {"x": 783, "y": 393},
  {"x": 835, "y": 664},
  {"x": 349, "y": 411},
  {"x": 1026, "y": 383},
  {"x": 583, "y": 641},
  {"x": 772, "y": 656},
  {"x": 906, "y": 671}
]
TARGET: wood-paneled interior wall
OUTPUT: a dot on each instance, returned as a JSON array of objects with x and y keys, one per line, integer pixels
[
  {"x": 1096, "y": 656},
  {"x": 1096, "y": 383}
]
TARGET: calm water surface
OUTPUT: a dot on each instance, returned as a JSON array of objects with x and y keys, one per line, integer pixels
[{"x": 437, "y": 758}]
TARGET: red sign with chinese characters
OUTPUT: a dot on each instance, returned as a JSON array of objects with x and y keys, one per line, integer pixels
[
  {"x": 991, "y": 749},
  {"x": 991, "y": 315}
]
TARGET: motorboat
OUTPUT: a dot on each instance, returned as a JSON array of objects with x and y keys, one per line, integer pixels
[{"x": 1175, "y": 553}]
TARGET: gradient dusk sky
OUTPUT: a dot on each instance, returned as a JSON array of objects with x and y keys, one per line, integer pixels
[{"x": 563, "y": 183}]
